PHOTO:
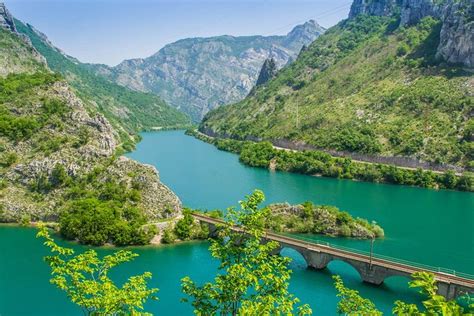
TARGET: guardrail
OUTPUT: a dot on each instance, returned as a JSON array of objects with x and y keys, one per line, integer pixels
[
  {"x": 383, "y": 257},
  {"x": 318, "y": 242}
]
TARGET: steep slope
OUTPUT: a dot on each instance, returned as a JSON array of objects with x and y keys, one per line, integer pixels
[
  {"x": 128, "y": 111},
  {"x": 57, "y": 158},
  {"x": 368, "y": 88},
  {"x": 199, "y": 74}
]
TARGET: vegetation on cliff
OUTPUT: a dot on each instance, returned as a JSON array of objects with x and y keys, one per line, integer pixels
[
  {"x": 58, "y": 163},
  {"x": 365, "y": 86},
  {"x": 186, "y": 228},
  {"x": 128, "y": 111}
]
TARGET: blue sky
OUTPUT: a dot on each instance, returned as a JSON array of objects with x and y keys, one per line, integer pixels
[{"x": 108, "y": 31}]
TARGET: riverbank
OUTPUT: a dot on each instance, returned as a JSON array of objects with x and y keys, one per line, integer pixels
[{"x": 317, "y": 163}]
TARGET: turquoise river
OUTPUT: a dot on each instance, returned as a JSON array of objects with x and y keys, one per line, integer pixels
[{"x": 430, "y": 227}]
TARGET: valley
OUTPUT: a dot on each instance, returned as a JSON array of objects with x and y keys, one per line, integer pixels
[{"x": 358, "y": 137}]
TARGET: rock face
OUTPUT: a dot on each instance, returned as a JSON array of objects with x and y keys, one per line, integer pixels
[
  {"x": 6, "y": 19},
  {"x": 413, "y": 11},
  {"x": 268, "y": 71},
  {"x": 60, "y": 134},
  {"x": 199, "y": 74},
  {"x": 457, "y": 33},
  {"x": 374, "y": 7}
]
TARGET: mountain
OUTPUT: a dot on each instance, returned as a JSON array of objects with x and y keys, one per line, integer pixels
[
  {"x": 59, "y": 158},
  {"x": 199, "y": 74},
  {"x": 392, "y": 83},
  {"x": 128, "y": 111}
]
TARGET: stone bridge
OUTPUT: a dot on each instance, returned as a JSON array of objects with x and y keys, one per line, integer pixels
[{"x": 372, "y": 269}]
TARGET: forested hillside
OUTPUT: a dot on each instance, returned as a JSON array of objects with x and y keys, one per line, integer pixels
[
  {"x": 369, "y": 85},
  {"x": 128, "y": 111},
  {"x": 57, "y": 158}
]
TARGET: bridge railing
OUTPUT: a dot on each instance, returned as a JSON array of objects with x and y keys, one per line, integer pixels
[
  {"x": 382, "y": 257},
  {"x": 375, "y": 255}
]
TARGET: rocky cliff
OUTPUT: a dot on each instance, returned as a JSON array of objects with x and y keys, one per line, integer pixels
[
  {"x": 374, "y": 7},
  {"x": 457, "y": 34},
  {"x": 6, "y": 19},
  {"x": 128, "y": 111},
  {"x": 365, "y": 88},
  {"x": 199, "y": 74},
  {"x": 50, "y": 144}
]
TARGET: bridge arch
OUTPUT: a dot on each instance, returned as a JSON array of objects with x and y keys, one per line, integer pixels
[
  {"x": 338, "y": 265},
  {"x": 295, "y": 254}
]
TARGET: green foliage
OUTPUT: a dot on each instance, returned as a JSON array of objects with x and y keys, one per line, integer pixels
[
  {"x": 435, "y": 304},
  {"x": 125, "y": 109},
  {"x": 96, "y": 222},
  {"x": 368, "y": 88},
  {"x": 8, "y": 158},
  {"x": 251, "y": 281},
  {"x": 25, "y": 220},
  {"x": 18, "y": 96},
  {"x": 168, "y": 236},
  {"x": 320, "y": 163},
  {"x": 98, "y": 211},
  {"x": 351, "y": 303},
  {"x": 328, "y": 220},
  {"x": 85, "y": 279}
]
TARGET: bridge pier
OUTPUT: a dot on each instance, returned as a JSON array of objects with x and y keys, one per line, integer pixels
[
  {"x": 316, "y": 260},
  {"x": 371, "y": 270}
]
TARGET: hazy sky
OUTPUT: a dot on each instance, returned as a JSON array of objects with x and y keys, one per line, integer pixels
[{"x": 108, "y": 31}]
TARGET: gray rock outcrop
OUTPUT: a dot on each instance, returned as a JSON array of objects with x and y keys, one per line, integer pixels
[
  {"x": 374, "y": 7},
  {"x": 196, "y": 75},
  {"x": 6, "y": 19},
  {"x": 457, "y": 33},
  {"x": 268, "y": 71},
  {"x": 412, "y": 11}
]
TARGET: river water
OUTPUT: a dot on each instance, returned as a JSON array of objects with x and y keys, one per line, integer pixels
[{"x": 430, "y": 227}]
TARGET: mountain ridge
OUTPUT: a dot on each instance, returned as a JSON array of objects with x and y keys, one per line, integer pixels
[
  {"x": 201, "y": 73},
  {"x": 368, "y": 86},
  {"x": 128, "y": 111}
]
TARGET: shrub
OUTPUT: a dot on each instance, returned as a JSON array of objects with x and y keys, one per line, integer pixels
[{"x": 168, "y": 236}]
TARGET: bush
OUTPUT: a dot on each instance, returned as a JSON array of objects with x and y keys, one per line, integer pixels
[
  {"x": 183, "y": 228},
  {"x": 8, "y": 159},
  {"x": 168, "y": 236},
  {"x": 345, "y": 231}
]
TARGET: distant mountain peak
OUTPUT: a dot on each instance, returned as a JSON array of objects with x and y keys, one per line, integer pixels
[
  {"x": 304, "y": 33},
  {"x": 6, "y": 19}
]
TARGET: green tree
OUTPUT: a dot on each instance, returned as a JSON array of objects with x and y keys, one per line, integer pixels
[
  {"x": 85, "y": 279},
  {"x": 435, "y": 304},
  {"x": 183, "y": 229},
  {"x": 352, "y": 303},
  {"x": 251, "y": 281}
]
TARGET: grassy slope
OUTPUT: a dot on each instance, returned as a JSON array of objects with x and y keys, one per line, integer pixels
[
  {"x": 364, "y": 87},
  {"x": 127, "y": 110}
]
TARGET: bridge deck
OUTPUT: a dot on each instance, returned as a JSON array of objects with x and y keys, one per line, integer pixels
[{"x": 354, "y": 255}]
